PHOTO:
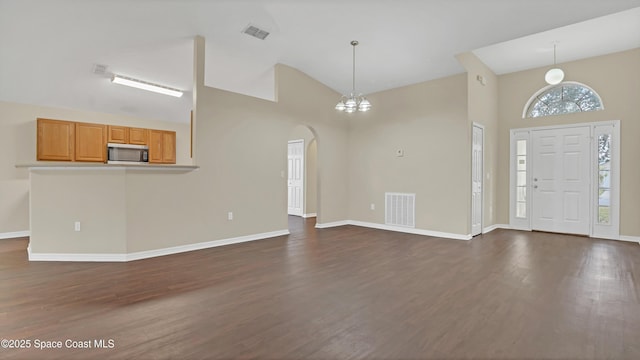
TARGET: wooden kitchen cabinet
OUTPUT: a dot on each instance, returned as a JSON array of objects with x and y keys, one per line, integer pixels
[
  {"x": 56, "y": 140},
  {"x": 169, "y": 147},
  {"x": 138, "y": 136},
  {"x": 59, "y": 140},
  {"x": 127, "y": 135},
  {"x": 91, "y": 142},
  {"x": 162, "y": 147},
  {"x": 118, "y": 134}
]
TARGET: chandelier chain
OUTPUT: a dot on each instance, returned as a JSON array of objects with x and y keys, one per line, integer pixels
[{"x": 353, "y": 87}]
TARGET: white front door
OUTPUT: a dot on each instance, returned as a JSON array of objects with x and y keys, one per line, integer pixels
[
  {"x": 560, "y": 180},
  {"x": 476, "y": 180},
  {"x": 295, "y": 180}
]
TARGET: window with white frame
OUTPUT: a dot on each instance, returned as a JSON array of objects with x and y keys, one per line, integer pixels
[
  {"x": 521, "y": 179},
  {"x": 520, "y": 203},
  {"x": 604, "y": 179}
]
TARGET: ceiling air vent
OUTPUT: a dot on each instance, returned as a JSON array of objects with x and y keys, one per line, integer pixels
[
  {"x": 255, "y": 32},
  {"x": 99, "y": 69}
]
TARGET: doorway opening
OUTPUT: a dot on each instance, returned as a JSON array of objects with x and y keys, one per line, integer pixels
[
  {"x": 302, "y": 174},
  {"x": 477, "y": 171}
]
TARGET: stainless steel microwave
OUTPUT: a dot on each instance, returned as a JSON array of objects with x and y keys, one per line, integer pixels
[{"x": 127, "y": 154}]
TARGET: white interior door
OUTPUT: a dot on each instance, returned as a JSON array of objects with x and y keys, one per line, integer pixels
[
  {"x": 295, "y": 179},
  {"x": 560, "y": 180},
  {"x": 476, "y": 180}
]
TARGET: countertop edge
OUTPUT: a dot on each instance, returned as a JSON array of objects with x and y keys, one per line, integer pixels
[{"x": 99, "y": 166}]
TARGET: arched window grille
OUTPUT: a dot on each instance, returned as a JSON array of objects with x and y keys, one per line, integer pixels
[{"x": 564, "y": 98}]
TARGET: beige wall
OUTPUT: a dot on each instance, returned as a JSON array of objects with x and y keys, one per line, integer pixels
[
  {"x": 18, "y": 145},
  {"x": 310, "y": 103},
  {"x": 483, "y": 109},
  {"x": 14, "y": 183},
  {"x": 95, "y": 198},
  {"x": 429, "y": 122},
  {"x": 616, "y": 78},
  {"x": 241, "y": 148}
]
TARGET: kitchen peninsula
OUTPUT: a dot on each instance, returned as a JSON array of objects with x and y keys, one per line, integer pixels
[
  {"x": 96, "y": 212},
  {"x": 84, "y": 209}
]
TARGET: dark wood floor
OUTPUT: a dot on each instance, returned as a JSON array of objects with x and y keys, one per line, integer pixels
[{"x": 346, "y": 292}]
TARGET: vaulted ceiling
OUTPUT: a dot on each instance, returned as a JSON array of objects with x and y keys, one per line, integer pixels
[{"x": 48, "y": 48}]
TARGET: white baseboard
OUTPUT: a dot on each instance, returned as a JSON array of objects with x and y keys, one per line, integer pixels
[
  {"x": 309, "y": 215},
  {"x": 518, "y": 228},
  {"x": 77, "y": 257},
  {"x": 490, "y": 228},
  {"x": 410, "y": 230},
  {"x": 205, "y": 245},
  {"x": 332, "y": 224},
  {"x": 394, "y": 228},
  {"x": 15, "y": 234},
  {"x": 635, "y": 239},
  {"x": 150, "y": 253}
]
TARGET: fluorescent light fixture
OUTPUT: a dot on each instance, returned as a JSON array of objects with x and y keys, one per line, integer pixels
[{"x": 123, "y": 80}]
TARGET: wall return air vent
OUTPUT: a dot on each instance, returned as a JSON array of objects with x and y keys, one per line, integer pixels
[
  {"x": 400, "y": 209},
  {"x": 255, "y": 32}
]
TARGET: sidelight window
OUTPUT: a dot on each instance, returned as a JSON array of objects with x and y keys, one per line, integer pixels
[
  {"x": 520, "y": 174},
  {"x": 521, "y": 179},
  {"x": 604, "y": 179}
]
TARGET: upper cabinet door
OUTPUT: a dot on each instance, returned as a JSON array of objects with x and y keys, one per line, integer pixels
[
  {"x": 118, "y": 134},
  {"x": 91, "y": 142},
  {"x": 55, "y": 140},
  {"x": 169, "y": 147},
  {"x": 162, "y": 147},
  {"x": 138, "y": 136},
  {"x": 155, "y": 146}
]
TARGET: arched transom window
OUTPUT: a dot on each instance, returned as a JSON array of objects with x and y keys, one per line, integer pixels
[{"x": 564, "y": 98}]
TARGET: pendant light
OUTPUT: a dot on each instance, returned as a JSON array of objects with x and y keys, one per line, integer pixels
[
  {"x": 554, "y": 76},
  {"x": 353, "y": 102}
]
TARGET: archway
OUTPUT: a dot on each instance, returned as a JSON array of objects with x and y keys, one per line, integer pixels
[{"x": 302, "y": 173}]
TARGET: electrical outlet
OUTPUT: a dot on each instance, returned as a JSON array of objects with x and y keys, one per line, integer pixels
[
  {"x": 373, "y": 206},
  {"x": 76, "y": 226},
  {"x": 230, "y": 215}
]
